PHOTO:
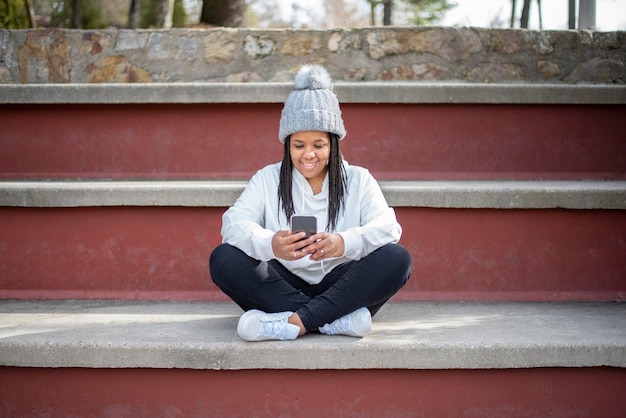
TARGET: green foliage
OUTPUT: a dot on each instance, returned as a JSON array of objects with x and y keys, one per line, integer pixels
[
  {"x": 424, "y": 12},
  {"x": 430, "y": 11},
  {"x": 13, "y": 14},
  {"x": 91, "y": 16},
  {"x": 180, "y": 16},
  {"x": 148, "y": 13}
]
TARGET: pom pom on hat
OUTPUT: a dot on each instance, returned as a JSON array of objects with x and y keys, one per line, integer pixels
[
  {"x": 313, "y": 77},
  {"x": 311, "y": 106}
]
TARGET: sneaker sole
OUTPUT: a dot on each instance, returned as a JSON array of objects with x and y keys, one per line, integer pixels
[
  {"x": 249, "y": 330},
  {"x": 361, "y": 323}
]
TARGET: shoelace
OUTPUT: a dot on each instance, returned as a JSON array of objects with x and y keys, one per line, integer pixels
[
  {"x": 339, "y": 326},
  {"x": 274, "y": 329}
]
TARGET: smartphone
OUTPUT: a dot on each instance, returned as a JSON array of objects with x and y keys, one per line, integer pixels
[{"x": 306, "y": 223}]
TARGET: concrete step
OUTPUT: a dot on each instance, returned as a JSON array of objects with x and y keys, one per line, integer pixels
[
  {"x": 494, "y": 194},
  {"x": 115, "y": 358},
  {"x": 499, "y": 240},
  {"x": 408, "y": 335},
  {"x": 269, "y": 92},
  {"x": 397, "y": 130}
]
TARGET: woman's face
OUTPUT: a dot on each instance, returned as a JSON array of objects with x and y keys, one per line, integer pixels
[{"x": 310, "y": 151}]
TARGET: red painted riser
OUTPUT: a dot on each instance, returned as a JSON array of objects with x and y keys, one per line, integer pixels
[
  {"x": 162, "y": 253},
  {"x": 546, "y": 392},
  {"x": 394, "y": 141}
]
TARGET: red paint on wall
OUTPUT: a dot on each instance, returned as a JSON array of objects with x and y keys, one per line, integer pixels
[
  {"x": 544, "y": 392},
  {"x": 126, "y": 251},
  {"x": 515, "y": 254},
  {"x": 162, "y": 253},
  {"x": 394, "y": 141}
]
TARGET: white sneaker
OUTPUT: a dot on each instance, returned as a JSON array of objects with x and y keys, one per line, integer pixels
[
  {"x": 256, "y": 325},
  {"x": 356, "y": 324}
]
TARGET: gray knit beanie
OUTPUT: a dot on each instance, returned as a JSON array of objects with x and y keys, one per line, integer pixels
[{"x": 311, "y": 106}]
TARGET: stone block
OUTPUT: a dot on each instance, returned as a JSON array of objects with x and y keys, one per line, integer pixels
[
  {"x": 451, "y": 44},
  {"x": 5, "y": 75},
  {"x": 258, "y": 46},
  {"x": 131, "y": 39},
  {"x": 220, "y": 46},
  {"x": 116, "y": 69},
  {"x": 596, "y": 70},
  {"x": 548, "y": 68},
  {"x": 45, "y": 57},
  {"x": 299, "y": 44}
]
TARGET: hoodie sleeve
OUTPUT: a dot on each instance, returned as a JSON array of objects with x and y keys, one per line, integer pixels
[
  {"x": 243, "y": 224},
  {"x": 378, "y": 225}
]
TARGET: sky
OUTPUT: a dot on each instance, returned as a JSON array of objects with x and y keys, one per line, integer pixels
[{"x": 610, "y": 14}]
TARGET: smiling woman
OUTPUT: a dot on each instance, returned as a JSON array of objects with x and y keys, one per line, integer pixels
[
  {"x": 310, "y": 153},
  {"x": 336, "y": 279}
]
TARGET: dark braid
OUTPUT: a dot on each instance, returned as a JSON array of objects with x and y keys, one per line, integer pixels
[
  {"x": 284, "y": 184},
  {"x": 336, "y": 182}
]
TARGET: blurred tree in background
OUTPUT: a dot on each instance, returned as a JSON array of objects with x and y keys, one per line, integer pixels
[
  {"x": 423, "y": 12},
  {"x": 95, "y": 14},
  {"x": 223, "y": 13},
  {"x": 16, "y": 14},
  {"x": 162, "y": 14},
  {"x": 428, "y": 12}
]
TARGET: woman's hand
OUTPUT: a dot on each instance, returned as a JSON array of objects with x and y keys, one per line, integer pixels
[
  {"x": 287, "y": 246},
  {"x": 325, "y": 245}
]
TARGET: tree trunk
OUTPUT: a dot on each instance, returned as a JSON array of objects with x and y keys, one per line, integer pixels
[
  {"x": 513, "y": 7},
  {"x": 387, "y": 6},
  {"x": 525, "y": 14},
  {"x": 572, "y": 14},
  {"x": 31, "y": 14},
  {"x": 223, "y": 13},
  {"x": 165, "y": 14},
  {"x": 77, "y": 15},
  {"x": 133, "y": 14}
]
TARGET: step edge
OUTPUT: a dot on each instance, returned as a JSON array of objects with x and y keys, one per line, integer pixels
[
  {"x": 399, "y": 339},
  {"x": 361, "y": 92},
  {"x": 223, "y": 193}
]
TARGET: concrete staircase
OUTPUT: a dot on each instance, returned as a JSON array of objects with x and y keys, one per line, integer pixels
[{"x": 512, "y": 201}]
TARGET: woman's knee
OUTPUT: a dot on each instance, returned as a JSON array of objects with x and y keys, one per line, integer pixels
[
  {"x": 219, "y": 252},
  {"x": 397, "y": 253},
  {"x": 400, "y": 258},
  {"x": 220, "y": 259}
]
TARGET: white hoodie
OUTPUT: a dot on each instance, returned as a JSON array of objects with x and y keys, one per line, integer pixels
[{"x": 366, "y": 222}]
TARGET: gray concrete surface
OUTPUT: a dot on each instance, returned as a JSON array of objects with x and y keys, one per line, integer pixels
[
  {"x": 362, "y": 92},
  {"x": 436, "y": 194},
  {"x": 406, "y": 335}
]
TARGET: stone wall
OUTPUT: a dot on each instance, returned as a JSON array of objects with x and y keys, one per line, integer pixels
[{"x": 240, "y": 55}]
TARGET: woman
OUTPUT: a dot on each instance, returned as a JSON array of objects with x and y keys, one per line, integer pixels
[{"x": 334, "y": 281}]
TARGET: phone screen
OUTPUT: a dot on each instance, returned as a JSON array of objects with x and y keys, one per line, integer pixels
[{"x": 306, "y": 223}]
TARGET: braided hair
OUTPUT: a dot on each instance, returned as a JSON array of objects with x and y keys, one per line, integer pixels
[{"x": 336, "y": 182}]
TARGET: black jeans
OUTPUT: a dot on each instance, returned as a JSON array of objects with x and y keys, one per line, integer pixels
[{"x": 270, "y": 287}]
